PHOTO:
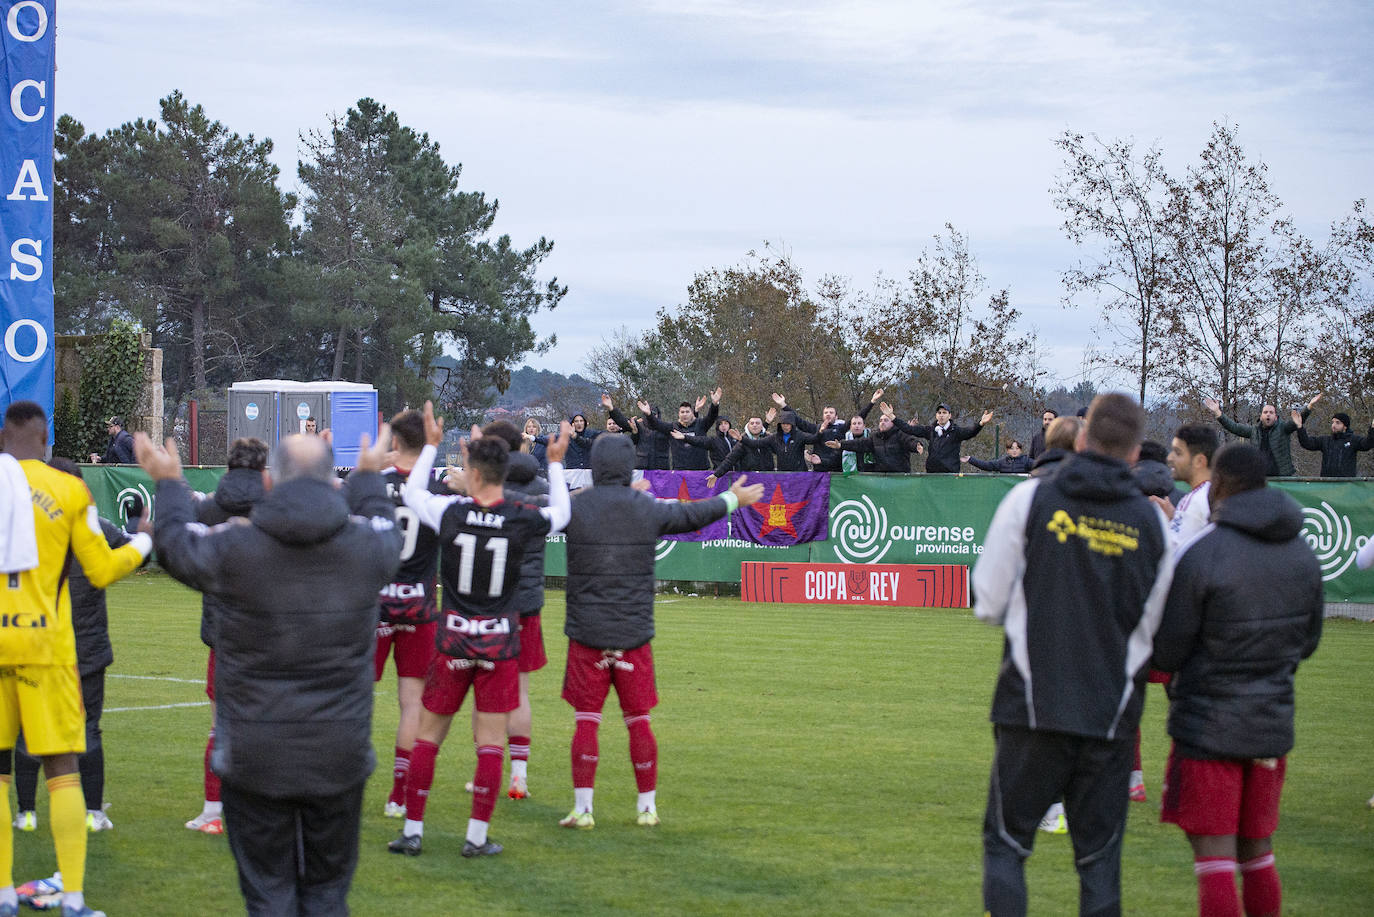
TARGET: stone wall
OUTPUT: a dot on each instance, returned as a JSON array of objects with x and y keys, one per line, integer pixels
[{"x": 147, "y": 414}]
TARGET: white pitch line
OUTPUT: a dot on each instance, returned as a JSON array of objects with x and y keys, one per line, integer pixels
[
  {"x": 203, "y": 703},
  {"x": 185, "y": 681}
]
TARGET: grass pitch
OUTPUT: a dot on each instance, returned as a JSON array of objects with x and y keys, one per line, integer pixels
[{"x": 813, "y": 759}]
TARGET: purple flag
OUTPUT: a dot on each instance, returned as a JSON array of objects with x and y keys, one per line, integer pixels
[
  {"x": 795, "y": 508},
  {"x": 684, "y": 486}
]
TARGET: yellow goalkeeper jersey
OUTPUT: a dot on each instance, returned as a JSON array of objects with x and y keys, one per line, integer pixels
[{"x": 35, "y": 608}]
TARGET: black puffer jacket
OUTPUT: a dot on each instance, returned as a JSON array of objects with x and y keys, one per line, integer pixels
[
  {"x": 296, "y": 634},
  {"x": 611, "y": 542},
  {"x": 90, "y": 616},
  {"x": 1245, "y": 606},
  {"x": 523, "y": 481},
  {"x": 237, "y": 493}
]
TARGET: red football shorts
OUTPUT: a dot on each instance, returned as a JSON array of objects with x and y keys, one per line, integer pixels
[
  {"x": 532, "y": 655},
  {"x": 414, "y": 645},
  {"x": 1229, "y": 796},
  {"x": 495, "y": 685},
  {"x": 591, "y": 673},
  {"x": 210, "y": 677}
]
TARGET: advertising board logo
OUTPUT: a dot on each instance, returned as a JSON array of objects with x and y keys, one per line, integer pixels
[
  {"x": 663, "y": 548},
  {"x": 132, "y": 496},
  {"x": 1332, "y": 538},
  {"x": 858, "y": 531}
]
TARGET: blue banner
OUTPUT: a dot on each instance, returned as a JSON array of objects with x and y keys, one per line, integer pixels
[{"x": 26, "y": 162}]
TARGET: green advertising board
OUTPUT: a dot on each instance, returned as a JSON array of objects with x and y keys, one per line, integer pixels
[{"x": 898, "y": 519}]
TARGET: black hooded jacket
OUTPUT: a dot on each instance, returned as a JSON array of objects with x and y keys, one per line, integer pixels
[
  {"x": 611, "y": 541},
  {"x": 1076, "y": 567},
  {"x": 524, "y": 483},
  {"x": 1245, "y": 606},
  {"x": 236, "y": 494},
  {"x": 296, "y": 633}
]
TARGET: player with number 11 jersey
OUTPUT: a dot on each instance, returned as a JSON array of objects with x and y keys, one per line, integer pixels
[{"x": 482, "y": 538}]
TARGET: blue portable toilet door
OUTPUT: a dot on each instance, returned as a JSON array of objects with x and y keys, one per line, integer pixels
[{"x": 352, "y": 413}]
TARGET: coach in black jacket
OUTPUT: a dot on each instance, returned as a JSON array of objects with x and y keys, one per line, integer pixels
[
  {"x": 294, "y": 646},
  {"x": 1075, "y": 567},
  {"x": 610, "y": 606}
]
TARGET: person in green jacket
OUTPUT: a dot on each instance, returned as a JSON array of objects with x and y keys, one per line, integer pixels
[{"x": 1271, "y": 436}]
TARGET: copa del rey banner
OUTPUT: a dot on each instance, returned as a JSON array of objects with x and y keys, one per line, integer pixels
[
  {"x": 795, "y": 507},
  {"x": 26, "y": 162}
]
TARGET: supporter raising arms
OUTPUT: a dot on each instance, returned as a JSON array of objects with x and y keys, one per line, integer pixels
[
  {"x": 1341, "y": 449},
  {"x": 943, "y": 455},
  {"x": 1272, "y": 437},
  {"x": 684, "y": 456}
]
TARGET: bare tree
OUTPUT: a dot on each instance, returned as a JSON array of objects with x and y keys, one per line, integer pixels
[
  {"x": 1113, "y": 202},
  {"x": 1222, "y": 225}
]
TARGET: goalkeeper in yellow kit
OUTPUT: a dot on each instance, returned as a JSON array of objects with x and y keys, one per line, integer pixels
[{"x": 40, "y": 690}]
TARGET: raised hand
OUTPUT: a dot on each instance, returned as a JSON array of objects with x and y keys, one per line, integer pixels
[
  {"x": 558, "y": 448},
  {"x": 876, "y": 395},
  {"x": 733, "y": 434},
  {"x": 747, "y": 496},
  {"x": 715, "y": 395},
  {"x": 1315, "y": 398},
  {"x": 779, "y": 400},
  {"x": 606, "y": 402},
  {"x": 434, "y": 426},
  {"x": 1296, "y": 415},
  {"x": 987, "y": 415},
  {"x": 643, "y": 407},
  {"x": 1212, "y": 405},
  {"x": 374, "y": 457},
  {"x": 701, "y": 403},
  {"x": 772, "y": 413},
  {"x": 886, "y": 408}
]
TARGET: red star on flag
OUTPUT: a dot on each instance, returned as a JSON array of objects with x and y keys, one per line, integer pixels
[
  {"x": 682, "y": 495},
  {"x": 777, "y": 513}
]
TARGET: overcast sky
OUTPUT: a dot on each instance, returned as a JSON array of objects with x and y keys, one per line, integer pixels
[{"x": 652, "y": 140}]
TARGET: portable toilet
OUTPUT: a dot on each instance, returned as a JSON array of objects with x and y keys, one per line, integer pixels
[{"x": 280, "y": 407}]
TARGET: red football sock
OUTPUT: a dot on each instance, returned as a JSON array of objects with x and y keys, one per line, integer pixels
[
  {"x": 585, "y": 753},
  {"x": 399, "y": 772},
  {"x": 485, "y": 781},
  {"x": 519, "y": 748},
  {"x": 643, "y": 751},
  {"x": 211, "y": 778},
  {"x": 1259, "y": 879},
  {"x": 1216, "y": 887},
  {"x": 422, "y": 757}
]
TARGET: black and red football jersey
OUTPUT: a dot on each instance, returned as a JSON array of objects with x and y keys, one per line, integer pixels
[
  {"x": 409, "y": 598},
  {"x": 481, "y": 548}
]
